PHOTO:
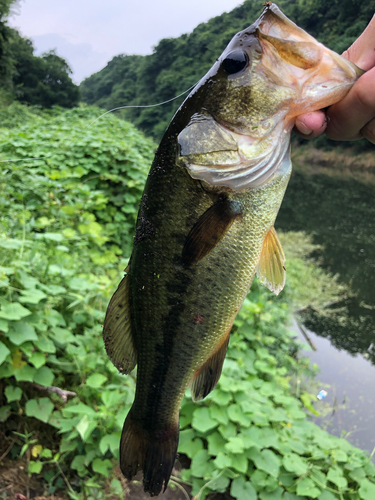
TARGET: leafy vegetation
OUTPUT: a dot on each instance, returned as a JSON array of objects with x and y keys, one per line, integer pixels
[
  {"x": 251, "y": 435},
  {"x": 178, "y": 63},
  {"x": 66, "y": 228}
]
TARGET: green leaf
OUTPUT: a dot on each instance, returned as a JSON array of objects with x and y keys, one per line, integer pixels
[
  {"x": 276, "y": 494},
  {"x": 62, "y": 336},
  {"x": 78, "y": 463},
  {"x": 52, "y": 236},
  {"x": 46, "y": 453},
  {"x": 294, "y": 463},
  {"x": 10, "y": 243},
  {"x": 13, "y": 393},
  {"x": 235, "y": 445},
  {"x": 306, "y": 399},
  {"x": 239, "y": 462},
  {"x": 4, "y": 351},
  {"x": 242, "y": 490},
  {"x": 85, "y": 427},
  {"x": 96, "y": 380},
  {"x": 44, "y": 376},
  {"x": 102, "y": 467},
  {"x": 215, "y": 443},
  {"x": 21, "y": 332},
  {"x": 227, "y": 431},
  {"x": 4, "y": 412},
  {"x": 325, "y": 495},
  {"x": 221, "y": 398},
  {"x": 14, "y": 311},
  {"x": 109, "y": 442},
  {"x": 219, "y": 413},
  {"x": 200, "y": 463},
  {"x": 32, "y": 296},
  {"x": 367, "y": 490},
  {"x": 3, "y": 325},
  {"x": 25, "y": 374},
  {"x": 35, "y": 467},
  {"x": 111, "y": 398},
  {"x": 358, "y": 474},
  {"x": 339, "y": 455},
  {"x": 202, "y": 420},
  {"x": 306, "y": 487},
  {"x": 188, "y": 444},
  {"x": 335, "y": 475},
  {"x": 45, "y": 345},
  {"x": 37, "y": 359},
  {"x": 236, "y": 414},
  {"x": 80, "y": 408},
  {"x": 265, "y": 460},
  {"x": 222, "y": 461},
  {"x": 39, "y": 408}
]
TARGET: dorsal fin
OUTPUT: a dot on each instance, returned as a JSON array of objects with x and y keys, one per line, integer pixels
[
  {"x": 209, "y": 373},
  {"x": 209, "y": 230},
  {"x": 271, "y": 266},
  {"x": 117, "y": 331}
]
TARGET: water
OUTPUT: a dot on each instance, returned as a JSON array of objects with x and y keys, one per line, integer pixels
[
  {"x": 338, "y": 209},
  {"x": 348, "y": 410}
]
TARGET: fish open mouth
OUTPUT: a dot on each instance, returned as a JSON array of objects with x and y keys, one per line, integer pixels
[{"x": 269, "y": 74}]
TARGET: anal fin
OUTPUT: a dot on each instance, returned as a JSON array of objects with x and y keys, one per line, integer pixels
[
  {"x": 117, "y": 331},
  {"x": 209, "y": 230},
  {"x": 208, "y": 375},
  {"x": 271, "y": 266}
]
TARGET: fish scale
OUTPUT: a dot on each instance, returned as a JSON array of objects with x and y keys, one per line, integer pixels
[{"x": 205, "y": 226}]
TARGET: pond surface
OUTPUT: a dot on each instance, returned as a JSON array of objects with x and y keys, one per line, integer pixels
[{"x": 338, "y": 209}]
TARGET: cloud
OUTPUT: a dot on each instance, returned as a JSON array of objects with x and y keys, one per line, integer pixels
[{"x": 89, "y": 33}]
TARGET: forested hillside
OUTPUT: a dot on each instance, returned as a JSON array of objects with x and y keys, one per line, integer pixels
[
  {"x": 178, "y": 63},
  {"x": 43, "y": 81}
]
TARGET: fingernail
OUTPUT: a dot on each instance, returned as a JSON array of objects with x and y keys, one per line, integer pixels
[{"x": 302, "y": 128}]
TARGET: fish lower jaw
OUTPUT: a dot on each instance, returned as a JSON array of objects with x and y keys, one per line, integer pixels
[{"x": 258, "y": 161}]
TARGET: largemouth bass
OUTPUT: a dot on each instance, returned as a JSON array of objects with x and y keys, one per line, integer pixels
[{"x": 205, "y": 226}]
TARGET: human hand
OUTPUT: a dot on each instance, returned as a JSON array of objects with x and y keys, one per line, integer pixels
[{"x": 353, "y": 117}]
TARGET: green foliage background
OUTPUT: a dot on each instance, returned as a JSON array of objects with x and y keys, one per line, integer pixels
[
  {"x": 66, "y": 229},
  {"x": 178, "y": 63}
]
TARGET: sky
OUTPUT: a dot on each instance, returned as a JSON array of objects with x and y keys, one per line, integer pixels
[{"x": 89, "y": 33}]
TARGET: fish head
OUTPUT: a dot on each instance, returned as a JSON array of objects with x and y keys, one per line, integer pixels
[{"x": 270, "y": 73}]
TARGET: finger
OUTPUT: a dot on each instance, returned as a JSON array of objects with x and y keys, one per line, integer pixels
[
  {"x": 368, "y": 131},
  {"x": 362, "y": 51},
  {"x": 311, "y": 125},
  {"x": 349, "y": 116}
]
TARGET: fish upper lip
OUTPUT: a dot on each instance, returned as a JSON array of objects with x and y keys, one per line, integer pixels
[{"x": 349, "y": 67}]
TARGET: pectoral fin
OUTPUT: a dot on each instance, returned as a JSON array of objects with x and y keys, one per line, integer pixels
[
  {"x": 271, "y": 266},
  {"x": 209, "y": 230},
  {"x": 117, "y": 332},
  {"x": 208, "y": 375}
]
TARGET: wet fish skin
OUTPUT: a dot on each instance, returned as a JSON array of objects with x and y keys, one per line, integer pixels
[{"x": 205, "y": 226}]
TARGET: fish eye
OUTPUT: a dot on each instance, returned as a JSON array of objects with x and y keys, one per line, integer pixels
[{"x": 235, "y": 61}]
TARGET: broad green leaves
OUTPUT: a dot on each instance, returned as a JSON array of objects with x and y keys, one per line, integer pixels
[
  {"x": 39, "y": 408},
  {"x": 66, "y": 230},
  {"x": 202, "y": 420},
  {"x": 243, "y": 490},
  {"x": 255, "y": 434}
]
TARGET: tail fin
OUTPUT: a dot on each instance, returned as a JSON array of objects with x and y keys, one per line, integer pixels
[{"x": 152, "y": 451}]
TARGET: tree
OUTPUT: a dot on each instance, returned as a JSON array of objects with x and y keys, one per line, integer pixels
[
  {"x": 43, "y": 81},
  {"x": 6, "y": 62}
]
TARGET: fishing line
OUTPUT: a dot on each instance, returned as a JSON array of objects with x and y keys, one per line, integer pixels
[
  {"x": 106, "y": 113},
  {"x": 142, "y": 106}
]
